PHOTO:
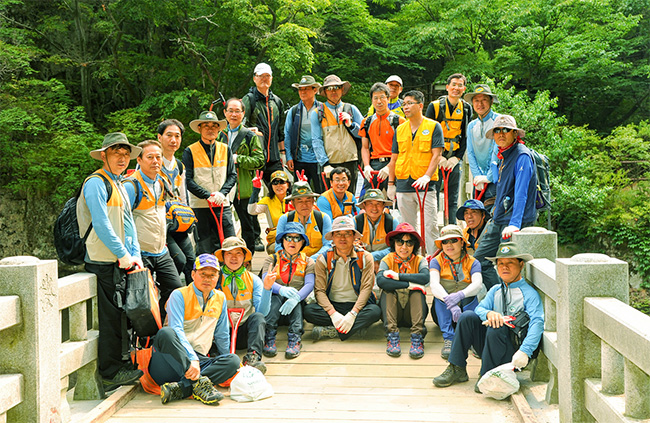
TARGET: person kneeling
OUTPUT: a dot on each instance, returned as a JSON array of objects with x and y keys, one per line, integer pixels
[
  {"x": 455, "y": 281},
  {"x": 485, "y": 328},
  {"x": 292, "y": 272},
  {"x": 343, "y": 287},
  {"x": 191, "y": 354},
  {"x": 402, "y": 277}
]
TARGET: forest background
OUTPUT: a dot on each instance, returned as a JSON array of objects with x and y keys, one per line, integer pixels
[{"x": 574, "y": 73}]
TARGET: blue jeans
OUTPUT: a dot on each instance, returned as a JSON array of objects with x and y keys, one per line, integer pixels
[
  {"x": 445, "y": 322},
  {"x": 293, "y": 319}
]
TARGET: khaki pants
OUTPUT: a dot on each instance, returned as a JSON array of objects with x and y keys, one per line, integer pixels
[{"x": 412, "y": 316}]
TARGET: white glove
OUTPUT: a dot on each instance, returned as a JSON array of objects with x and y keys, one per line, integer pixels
[
  {"x": 345, "y": 118},
  {"x": 138, "y": 262},
  {"x": 367, "y": 172},
  {"x": 328, "y": 169},
  {"x": 234, "y": 158},
  {"x": 391, "y": 191},
  {"x": 289, "y": 292},
  {"x": 452, "y": 162},
  {"x": 422, "y": 182},
  {"x": 508, "y": 231},
  {"x": 442, "y": 164},
  {"x": 391, "y": 274},
  {"x": 480, "y": 182},
  {"x": 417, "y": 287},
  {"x": 337, "y": 318},
  {"x": 519, "y": 359},
  {"x": 346, "y": 323},
  {"x": 283, "y": 159},
  {"x": 127, "y": 261},
  {"x": 383, "y": 174},
  {"x": 217, "y": 198}
]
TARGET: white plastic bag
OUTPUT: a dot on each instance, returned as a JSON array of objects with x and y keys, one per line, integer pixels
[
  {"x": 500, "y": 382},
  {"x": 250, "y": 385}
]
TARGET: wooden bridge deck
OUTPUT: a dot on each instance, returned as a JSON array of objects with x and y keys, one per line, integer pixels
[{"x": 351, "y": 381}]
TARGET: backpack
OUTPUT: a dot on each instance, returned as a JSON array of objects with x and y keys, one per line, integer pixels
[
  {"x": 361, "y": 222},
  {"x": 318, "y": 215},
  {"x": 543, "y": 195},
  {"x": 394, "y": 122},
  {"x": 347, "y": 108},
  {"x": 253, "y": 102},
  {"x": 70, "y": 246}
]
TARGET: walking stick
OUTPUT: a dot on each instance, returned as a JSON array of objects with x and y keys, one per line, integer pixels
[
  {"x": 373, "y": 175},
  {"x": 445, "y": 179},
  {"x": 218, "y": 221},
  {"x": 421, "y": 205}
]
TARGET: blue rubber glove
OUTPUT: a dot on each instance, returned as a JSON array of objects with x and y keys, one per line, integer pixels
[
  {"x": 289, "y": 292},
  {"x": 455, "y": 313},
  {"x": 453, "y": 299},
  {"x": 288, "y": 306}
]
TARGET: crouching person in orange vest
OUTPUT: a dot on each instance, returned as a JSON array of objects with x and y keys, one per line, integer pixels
[{"x": 191, "y": 354}]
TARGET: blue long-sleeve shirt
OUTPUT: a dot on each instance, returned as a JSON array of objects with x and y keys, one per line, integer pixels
[
  {"x": 96, "y": 198},
  {"x": 523, "y": 173},
  {"x": 261, "y": 296},
  {"x": 305, "y": 150},
  {"x": 317, "y": 130},
  {"x": 481, "y": 151},
  {"x": 519, "y": 296},
  {"x": 327, "y": 227},
  {"x": 176, "y": 320}
]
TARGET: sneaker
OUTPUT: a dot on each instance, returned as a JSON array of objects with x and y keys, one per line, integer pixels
[
  {"x": 293, "y": 346},
  {"x": 259, "y": 247},
  {"x": 204, "y": 391},
  {"x": 269, "y": 349},
  {"x": 392, "y": 344},
  {"x": 170, "y": 392},
  {"x": 446, "y": 349},
  {"x": 417, "y": 346},
  {"x": 452, "y": 374},
  {"x": 125, "y": 376},
  {"x": 253, "y": 359},
  {"x": 320, "y": 332}
]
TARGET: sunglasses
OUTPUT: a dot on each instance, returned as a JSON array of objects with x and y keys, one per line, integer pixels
[
  {"x": 333, "y": 88},
  {"x": 293, "y": 238},
  {"x": 450, "y": 241},
  {"x": 502, "y": 130},
  {"x": 408, "y": 242},
  {"x": 277, "y": 182}
]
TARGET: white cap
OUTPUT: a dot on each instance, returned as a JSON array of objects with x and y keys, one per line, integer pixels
[
  {"x": 394, "y": 78},
  {"x": 262, "y": 68}
]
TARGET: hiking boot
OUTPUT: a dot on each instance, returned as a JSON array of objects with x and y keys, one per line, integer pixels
[
  {"x": 253, "y": 359},
  {"x": 417, "y": 346},
  {"x": 320, "y": 332},
  {"x": 293, "y": 346},
  {"x": 446, "y": 349},
  {"x": 270, "y": 350},
  {"x": 452, "y": 374},
  {"x": 474, "y": 353},
  {"x": 204, "y": 391},
  {"x": 259, "y": 247},
  {"x": 392, "y": 344},
  {"x": 127, "y": 375},
  {"x": 170, "y": 392}
]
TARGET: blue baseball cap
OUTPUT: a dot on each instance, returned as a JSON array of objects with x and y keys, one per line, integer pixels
[
  {"x": 470, "y": 204},
  {"x": 206, "y": 260},
  {"x": 292, "y": 228}
]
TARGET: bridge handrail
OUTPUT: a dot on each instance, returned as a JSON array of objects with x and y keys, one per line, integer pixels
[{"x": 11, "y": 385}]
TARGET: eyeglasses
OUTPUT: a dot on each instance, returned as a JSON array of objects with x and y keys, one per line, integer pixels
[
  {"x": 379, "y": 98},
  {"x": 408, "y": 242},
  {"x": 340, "y": 181},
  {"x": 342, "y": 234},
  {"x": 450, "y": 241},
  {"x": 502, "y": 130},
  {"x": 277, "y": 182},
  {"x": 234, "y": 112},
  {"x": 333, "y": 88},
  {"x": 293, "y": 238},
  {"x": 410, "y": 103}
]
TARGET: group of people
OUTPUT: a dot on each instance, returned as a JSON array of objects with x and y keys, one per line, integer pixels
[{"x": 335, "y": 261}]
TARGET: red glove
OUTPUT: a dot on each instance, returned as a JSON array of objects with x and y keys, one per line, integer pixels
[{"x": 257, "y": 180}]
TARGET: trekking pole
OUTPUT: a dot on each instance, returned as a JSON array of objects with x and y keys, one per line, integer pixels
[
  {"x": 234, "y": 326},
  {"x": 324, "y": 178},
  {"x": 445, "y": 179},
  {"x": 373, "y": 175},
  {"x": 218, "y": 221},
  {"x": 421, "y": 206},
  {"x": 481, "y": 192}
]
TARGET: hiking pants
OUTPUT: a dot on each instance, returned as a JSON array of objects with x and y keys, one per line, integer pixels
[
  {"x": 248, "y": 233},
  {"x": 411, "y": 316},
  {"x": 207, "y": 233},
  {"x": 164, "y": 272},
  {"x": 409, "y": 208},
  {"x": 442, "y": 317},
  {"x": 293, "y": 319},
  {"x": 250, "y": 334},
  {"x": 368, "y": 315},
  {"x": 182, "y": 252},
  {"x": 311, "y": 173}
]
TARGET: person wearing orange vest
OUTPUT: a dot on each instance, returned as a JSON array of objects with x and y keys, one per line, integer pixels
[
  {"x": 210, "y": 174},
  {"x": 416, "y": 150},
  {"x": 147, "y": 195},
  {"x": 403, "y": 276},
  {"x": 374, "y": 224},
  {"x": 111, "y": 248},
  {"x": 191, "y": 352},
  {"x": 273, "y": 205},
  {"x": 338, "y": 201},
  {"x": 243, "y": 289},
  {"x": 455, "y": 281}
]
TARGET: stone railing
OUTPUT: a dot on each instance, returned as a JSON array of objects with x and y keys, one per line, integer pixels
[
  {"x": 596, "y": 348},
  {"x": 45, "y": 340}
]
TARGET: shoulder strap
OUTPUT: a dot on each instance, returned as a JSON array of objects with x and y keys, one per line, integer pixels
[
  {"x": 107, "y": 184},
  {"x": 138, "y": 191},
  {"x": 252, "y": 103},
  {"x": 321, "y": 111},
  {"x": 388, "y": 222},
  {"x": 291, "y": 216},
  {"x": 318, "y": 215},
  {"x": 361, "y": 222},
  {"x": 181, "y": 166},
  {"x": 367, "y": 124},
  {"x": 395, "y": 121}
]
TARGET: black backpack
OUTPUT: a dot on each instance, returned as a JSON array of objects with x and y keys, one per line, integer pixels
[
  {"x": 543, "y": 195},
  {"x": 70, "y": 246},
  {"x": 361, "y": 222},
  {"x": 393, "y": 119},
  {"x": 318, "y": 215}
]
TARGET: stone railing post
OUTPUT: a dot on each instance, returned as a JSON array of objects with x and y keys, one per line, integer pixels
[
  {"x": 583, "y": 275},
  {"x": 32, "y": 348},
  {"x": 539, "y": 242}
]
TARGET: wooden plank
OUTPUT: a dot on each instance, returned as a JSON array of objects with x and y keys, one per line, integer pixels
[
  {"x": 110, "y": 405},
  {"x": 523, "y": 409}
]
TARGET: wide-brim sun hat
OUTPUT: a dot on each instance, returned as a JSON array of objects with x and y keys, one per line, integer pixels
[
  {"x": 115, "y": 138},
  {"x": 472, "y": 204},
  {"x": 292, "y": 228},
  {"x": 232, "y": 243},
  {"x": 510, "y": 250},
  {"x": 306, "y": 81},
  {"x": 343, "y": 223},
  {"x": 332, "y": 81},
  {"x": 403, "y": 228},
  {"x": 481, "y": 89},
  {"x": 449, "y": 232},
  {"x": 301, "y": 189},
  {"x": 504, "y": 121},
  {"x": 374, "y": 195},
  {"x": 207, "y": 116}
]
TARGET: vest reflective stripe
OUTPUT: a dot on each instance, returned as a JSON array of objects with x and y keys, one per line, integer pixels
[
  {"x": 210, "y": 176},
  {"x": 314, "y": 235},
  {"x": 339, "y": 144},
  {"x": 115, "y": 208},
  {"x": 244, "y": 298},
  {"x": 414, "y": 263},
  {"x": 379, "y": 241},
  {"x": 334, "y": 205},
  {"x": 150, "y": 217},
  {"x": 414, "y": 153},
  {"x": 200, "y": 322},
  {"x": 447, "y": 278}
]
